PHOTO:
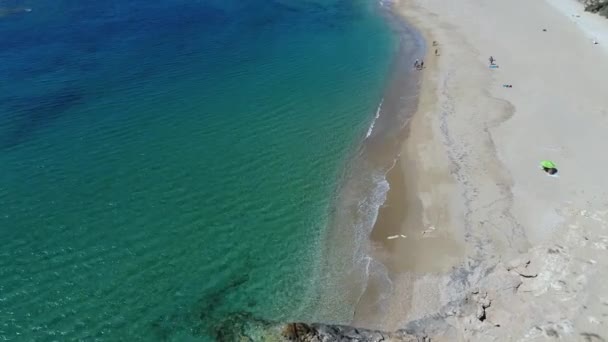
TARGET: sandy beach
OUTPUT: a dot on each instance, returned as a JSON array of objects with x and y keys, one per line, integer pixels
[{"x": 482, "y": 244}]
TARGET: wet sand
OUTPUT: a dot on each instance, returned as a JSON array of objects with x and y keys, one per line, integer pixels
[
  {"x": 354, "y": 277},
  {"x": 416, "y": 234}
]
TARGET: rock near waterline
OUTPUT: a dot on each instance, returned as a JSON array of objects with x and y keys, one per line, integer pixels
[{"x": 243, "y": 327}]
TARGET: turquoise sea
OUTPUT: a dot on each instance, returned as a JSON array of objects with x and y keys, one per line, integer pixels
[{"x": 166, "y": 164}]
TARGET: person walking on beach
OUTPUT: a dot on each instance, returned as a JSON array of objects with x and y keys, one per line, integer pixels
[
  {"x": 491, "y": 60},
  {"x": 422, "y": 64},
  {"x": 417, "y": 64}
]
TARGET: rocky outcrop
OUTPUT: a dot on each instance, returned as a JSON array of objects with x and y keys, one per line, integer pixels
[
  {"x": 556, "y": 290},
  {"x": 596, "y": 6},
  {"x": 243, "y": 327},
  {"x": 321, "y": 333}
]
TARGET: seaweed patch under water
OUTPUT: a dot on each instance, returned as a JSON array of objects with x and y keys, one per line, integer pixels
[
  {"x": 26, "y": 115},
  {"x": 202, "y": 319}
]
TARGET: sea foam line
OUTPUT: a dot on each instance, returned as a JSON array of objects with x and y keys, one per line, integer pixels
[
  {"x": 371, "y": 127},
  {"x": 369, "y": 208}
]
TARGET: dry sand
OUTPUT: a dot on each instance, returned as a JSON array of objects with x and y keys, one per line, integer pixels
[{"x": 495, "y": 249}]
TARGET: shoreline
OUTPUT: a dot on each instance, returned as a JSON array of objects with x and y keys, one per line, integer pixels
[
  {"x": 491, "y": 224},
  {"x": 401, "y": 100},
  {"x": 348, "y": 261},
  {"x": 413, "y": 236}
]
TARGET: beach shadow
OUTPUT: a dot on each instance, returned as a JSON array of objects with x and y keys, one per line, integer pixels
[{"x": 550, "y": 171}]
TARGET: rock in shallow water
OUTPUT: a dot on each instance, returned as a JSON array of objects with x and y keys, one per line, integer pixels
[
  {"x": 322, "y": 332},
  {"x": 242, "y": 327}
]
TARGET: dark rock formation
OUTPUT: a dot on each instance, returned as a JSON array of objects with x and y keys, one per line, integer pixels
[
  {"x": 596, "y": 6},
  {"x": 243, "y": 327},
  {"x": 322, "y": 332}
]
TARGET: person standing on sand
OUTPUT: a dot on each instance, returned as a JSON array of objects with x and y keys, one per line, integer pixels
[
  {"x": 491, "y": 60},
  {"x": 422, "y": 64},
  {"x": 416, "y": 64}
]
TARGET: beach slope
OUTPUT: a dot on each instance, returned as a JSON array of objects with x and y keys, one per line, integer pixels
[{"x": 534, "y": 256}]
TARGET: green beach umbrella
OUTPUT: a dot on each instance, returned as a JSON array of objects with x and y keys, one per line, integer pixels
[{"x": 548, "y": 164}]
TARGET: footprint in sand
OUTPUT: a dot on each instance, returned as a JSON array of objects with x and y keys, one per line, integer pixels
[{"x": 428, "y": 230}]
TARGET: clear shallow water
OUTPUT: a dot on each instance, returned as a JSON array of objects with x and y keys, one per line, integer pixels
[{"x": 166, "y": 164}]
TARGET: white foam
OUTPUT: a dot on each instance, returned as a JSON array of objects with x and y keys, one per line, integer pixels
[
  {"x": 371, "y": 127},
  {"x": 369, "y": 208},
  {"x": 377, "y": 270},
  {"x": 386, "y": 3}
]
